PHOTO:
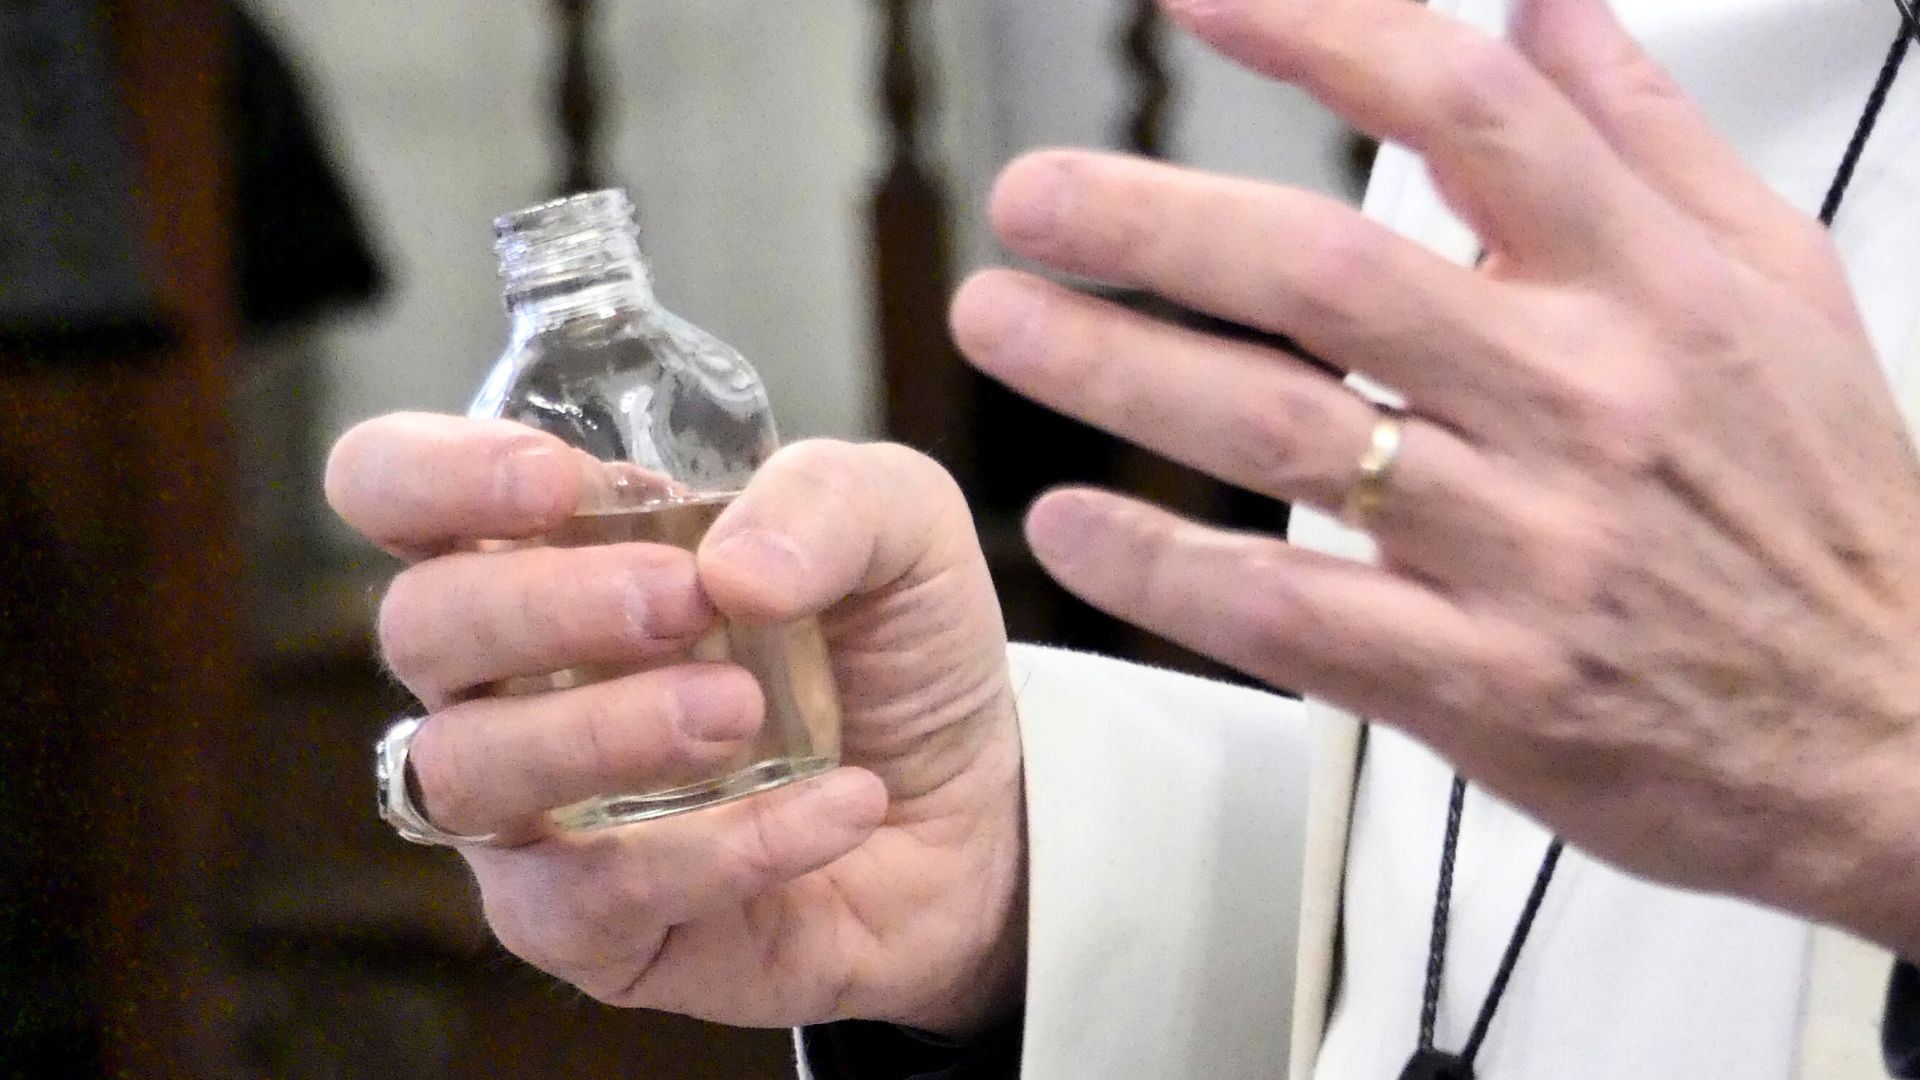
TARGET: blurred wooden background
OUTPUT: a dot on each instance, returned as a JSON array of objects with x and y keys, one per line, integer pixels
[{"x": 197, "y": 885}]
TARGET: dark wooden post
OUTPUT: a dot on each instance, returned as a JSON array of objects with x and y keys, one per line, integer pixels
[
  {"x": 578, "y": 98},
  {"x": 1143, "y": 47},
  {"x": 132, "y": 451},
  {"x": 928, "y": 398}
]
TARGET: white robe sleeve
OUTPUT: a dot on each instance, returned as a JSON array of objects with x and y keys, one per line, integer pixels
[
  {"x": 1166, "y": 822},
  {"x": 1166, "y": 817}
]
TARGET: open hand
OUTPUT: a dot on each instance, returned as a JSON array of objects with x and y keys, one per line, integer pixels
[{"x": 1650, "y": 558}]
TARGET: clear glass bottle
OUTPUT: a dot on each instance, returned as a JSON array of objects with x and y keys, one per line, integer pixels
[{"x": 681, "y": 422}]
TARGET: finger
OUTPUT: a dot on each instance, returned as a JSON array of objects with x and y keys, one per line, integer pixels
[
  {"x": 455, "y": 623},
  {"x": 1281, "y": 260},
  {"x": 1245, "y": 414},
  {"x": 595, "y": 908},
  {"x": 494, "y": 764},
  {"x": 419, "y": 484},
  {"x": 1512, "y": 155},
  {"x": 1644, "y": 115},
  {"x": 1352, "y": 633},
  {"x": 825, "y": 520}
]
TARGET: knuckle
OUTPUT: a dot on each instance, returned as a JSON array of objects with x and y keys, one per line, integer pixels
[
  {"x": 592, "y": 602},
  {"x": 904, "y": 461},
  {"x": 1641, "y": 82},
  {"x": 580, "y": 602},
  {"x": 1275, "y": 434},
  {"x": 612, "y": 740},
  {"x": 809, "y": 455},
  {"x": 567, "y": 606},
  {"x": 1344, "y": 257},
  {"x": 1571, "y": 559},
  {"x": 1156, "y": 584},
  {"x": 1606, "y": 407},
  {"x": 602, "y": 746},
  {"x": 1464, "y": 690},
  {"x": 605, "y": 904},
  {"x": 1271, "y": 603},
  {"x": 753, "y": 854},
  {"x": 1143, "y": 238},
  {"x": 915, "y": 471},
  {"x": 827, "y": 469},
  {"x": 1282, "y": 638},
  {"x": 845, "y": 485},
  {"x": 1478, "y": 85},
  {"x": 1628, "y": 424}
]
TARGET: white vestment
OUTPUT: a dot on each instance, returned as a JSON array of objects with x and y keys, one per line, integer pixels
[{"x": 1195, "y": 845}]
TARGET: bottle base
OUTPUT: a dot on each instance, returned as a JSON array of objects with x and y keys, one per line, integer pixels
[{"x": 610, "y": 811}]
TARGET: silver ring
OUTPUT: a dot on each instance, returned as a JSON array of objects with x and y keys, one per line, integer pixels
[{"x": 397, "y": 782}]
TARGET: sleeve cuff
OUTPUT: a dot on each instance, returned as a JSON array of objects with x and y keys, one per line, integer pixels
[
  {"x": 866, "y": 1050},
  {"x": 1900, "y": 1031}
]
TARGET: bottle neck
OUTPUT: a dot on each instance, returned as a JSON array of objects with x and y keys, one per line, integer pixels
[
  {"x": 622, "y": 288},
  {"x": 575, "y": 257}
]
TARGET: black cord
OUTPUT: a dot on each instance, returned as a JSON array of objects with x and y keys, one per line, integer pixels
[
  {"x": 1511, "y": 958},
  {"x": 1442, "y": 914},
  {"x": 1862, "y": 131},
  {"x": 1437, "y": 942}
]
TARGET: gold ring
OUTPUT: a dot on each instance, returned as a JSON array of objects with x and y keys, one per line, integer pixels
[{"x": 1369, "y": 488}]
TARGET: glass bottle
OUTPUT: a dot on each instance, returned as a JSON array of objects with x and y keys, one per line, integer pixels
[{"x": 680, "y": 421}]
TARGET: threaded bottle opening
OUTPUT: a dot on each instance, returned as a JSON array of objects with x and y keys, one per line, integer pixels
[{"x": 580, "y": 241}]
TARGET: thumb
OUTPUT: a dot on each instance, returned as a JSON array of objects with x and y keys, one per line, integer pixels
[{"x": 823, "y": 521}]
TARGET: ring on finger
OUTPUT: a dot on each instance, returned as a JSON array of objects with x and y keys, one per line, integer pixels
[
  {"x": 1369, "y": 487},
  {"x": 398, "y": 785}
]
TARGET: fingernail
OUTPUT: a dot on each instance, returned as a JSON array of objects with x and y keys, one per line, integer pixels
[
  {"x": 636, "y": 606},
  {"x": 718, "y": 705},
  {"x": 1063, "y": 524},
  {"x": 662, "y": 599},
  {"x": 531, "y": 481},
  {"x": 762, "y": 556}
]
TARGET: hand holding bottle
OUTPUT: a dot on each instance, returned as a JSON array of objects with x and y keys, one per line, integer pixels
[
  {"x": 678, "y": 421},
  {"x": 888, "y": 889}
]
